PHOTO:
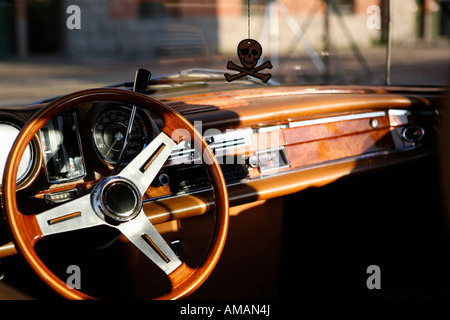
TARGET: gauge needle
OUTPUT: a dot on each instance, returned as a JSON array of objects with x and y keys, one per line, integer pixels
[{"x": 118, "y": 136}]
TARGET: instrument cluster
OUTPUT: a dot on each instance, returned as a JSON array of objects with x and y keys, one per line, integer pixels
[{"x": 68, "y": 141}]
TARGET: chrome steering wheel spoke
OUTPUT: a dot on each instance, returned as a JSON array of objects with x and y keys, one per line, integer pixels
[
  {"x": 141, "y": 233},
  {"x": 144, "y": 168},
  {"x": 74, "y": 215}
]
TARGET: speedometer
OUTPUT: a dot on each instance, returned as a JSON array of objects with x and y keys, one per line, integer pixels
[{"x": 110, "y": 129}]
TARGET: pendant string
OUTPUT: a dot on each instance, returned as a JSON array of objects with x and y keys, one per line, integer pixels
[{"x": 248, "y": 18}]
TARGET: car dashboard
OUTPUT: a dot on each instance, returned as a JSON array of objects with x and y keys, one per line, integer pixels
[
  {"x": 255, "y": 135},
  {"x": 270, "y": 142}
]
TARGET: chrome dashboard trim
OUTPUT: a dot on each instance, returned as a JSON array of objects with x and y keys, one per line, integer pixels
[{"x": 356, "y": 116}]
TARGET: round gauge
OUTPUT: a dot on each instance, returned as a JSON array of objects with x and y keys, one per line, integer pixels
[
  {"x": 8, "y": 134},
  {"x": 110, "y": 129}
]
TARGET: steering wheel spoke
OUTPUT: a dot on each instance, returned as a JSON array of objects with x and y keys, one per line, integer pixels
[
  {"x": 144, "y": 168},
  {"x": 141, "y": 232},
  {"x": 70, "y": 216}
]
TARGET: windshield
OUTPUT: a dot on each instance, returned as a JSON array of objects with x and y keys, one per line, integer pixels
[{"x": 50, "y": 47}]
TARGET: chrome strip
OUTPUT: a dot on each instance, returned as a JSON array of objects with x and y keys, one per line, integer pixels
[
  {"x": 346, "y": 117},
  {"x": 272, "y": 128},
  {"x": 399, "y": 117},
  {"x": 229, "y": 134},
  {"x": 399, "y": 112}
]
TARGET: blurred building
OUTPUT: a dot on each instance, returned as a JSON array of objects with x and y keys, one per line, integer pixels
[{"x": 153, "y": 28}]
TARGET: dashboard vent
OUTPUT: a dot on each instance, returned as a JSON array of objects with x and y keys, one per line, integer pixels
[{"x": 219, "y": 144}]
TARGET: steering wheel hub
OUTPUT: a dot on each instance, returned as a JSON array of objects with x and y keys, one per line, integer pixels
[{"x": 116, "y": 198}]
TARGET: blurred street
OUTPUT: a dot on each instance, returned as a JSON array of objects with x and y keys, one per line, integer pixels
[{"x": 27, "y": 81}]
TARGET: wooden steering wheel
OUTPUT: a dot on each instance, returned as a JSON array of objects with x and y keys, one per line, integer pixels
[{"x": 101, "y": 206}]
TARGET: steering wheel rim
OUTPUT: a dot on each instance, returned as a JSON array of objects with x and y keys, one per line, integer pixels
[{"x": 26, "y": 230}]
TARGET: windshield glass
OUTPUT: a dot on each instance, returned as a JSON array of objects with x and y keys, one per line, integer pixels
[{"x": 50, "y": 47}]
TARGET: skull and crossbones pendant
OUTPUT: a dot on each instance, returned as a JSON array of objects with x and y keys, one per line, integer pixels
[{"x": 249, "y": 52}]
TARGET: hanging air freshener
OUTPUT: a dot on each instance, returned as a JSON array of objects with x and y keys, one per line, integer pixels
[{"x": 249, "y": 52}]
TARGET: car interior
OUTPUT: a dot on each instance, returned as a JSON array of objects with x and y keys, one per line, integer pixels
[{"x": 243, "y": 176}]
